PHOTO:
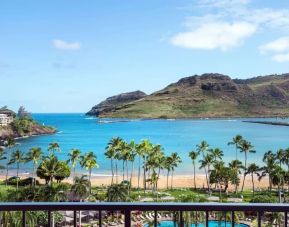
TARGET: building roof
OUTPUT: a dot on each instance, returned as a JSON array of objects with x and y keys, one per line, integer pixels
[{"x": 6, "y": 111}]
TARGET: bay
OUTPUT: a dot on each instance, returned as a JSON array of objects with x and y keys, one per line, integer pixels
[{"x": 182, "y": 136}]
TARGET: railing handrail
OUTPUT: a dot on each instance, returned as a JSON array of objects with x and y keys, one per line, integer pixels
[{"x": 144, "y": 206}]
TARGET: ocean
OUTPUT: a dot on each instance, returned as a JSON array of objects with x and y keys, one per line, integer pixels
[{"x": 88, "y": 134}]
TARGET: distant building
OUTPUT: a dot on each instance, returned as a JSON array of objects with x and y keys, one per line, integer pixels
[
  {"x": 6, "y": 116},
  {"x": 5, "y": 119}
]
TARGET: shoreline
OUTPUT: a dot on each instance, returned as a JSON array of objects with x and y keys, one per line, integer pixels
[
  {"x": 123, "y": 119},
  {"x": 179, "y": 181}
]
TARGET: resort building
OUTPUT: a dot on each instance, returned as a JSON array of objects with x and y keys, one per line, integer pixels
[{"x": 5, "y": 119}]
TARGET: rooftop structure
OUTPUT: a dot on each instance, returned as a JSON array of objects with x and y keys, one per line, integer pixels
[{"x": 5, "y": 119}]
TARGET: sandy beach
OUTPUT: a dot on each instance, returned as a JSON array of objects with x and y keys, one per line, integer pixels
[
  {"x": 183, "y": 181},
  {"x": 179, "y": 181}
]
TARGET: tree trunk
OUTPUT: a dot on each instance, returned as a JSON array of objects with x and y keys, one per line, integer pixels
[
  {"x": 172, "y": 179},
  {"x": 209, "y": 186},
  {"x": 138, "y": 173},
  {"x": 253, "y": 185},
  {"x": 116, "y": 172},
  {"x": 144, "y": 175},
  {"x": 112, "y": 174},
  {"x": 168, "y": 179},
  {"x": 131, "y": 174},
  {"x": 194, "y": 175},
  {"x": 244, "y": 171},
  {"x": 7, "y": 166},
  {"x": 123, "y": 170},
  {"x": 33, "y": 180},
  {"x": 126, "y": 166},
  {"x": 17, "y": 175},
  {"x": 89, "y": 181}
]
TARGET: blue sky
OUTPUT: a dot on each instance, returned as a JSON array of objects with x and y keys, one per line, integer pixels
[{"x": 67, "y": 55}]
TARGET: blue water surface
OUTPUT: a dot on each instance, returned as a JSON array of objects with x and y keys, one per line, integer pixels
[{"x": 85, "y": 133}]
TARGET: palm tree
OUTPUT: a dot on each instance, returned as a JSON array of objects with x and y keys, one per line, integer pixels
[
  {"x": 17, "y": 157},
  {"x": 217, "y": 153},
  {"x": 286, "y": 158},
  {"x": 9, "y": 143},
  {"x": 114, "y": 144},
  {"x": 280, "y": 156},
  {"x": 278, "y": 178},
  {"x": 125, "y": 156},
  {"x": 194, "y": 155},
  {"x": 155, "y": 163},
  {"x": 168, "y": 167},
  {"x": 74, "y": 158},
  {"x": 117, "y": 193},
  {"x": 203, "y": 149},
  {"x": 236, "y": 166},
  {"x": 140, "y": 154},
  {"x": 219, "y": 167},
  {"x": 132, "y": 154},
  {"x": 207, "y": 162},
  {"x": 176, "y": 160},
  {"x": 236, "y": 141},
  {"x": 245, "y": 147},
  {"x": 110, "y": 153},
  {"x": 80, "y": 187},
  {"x": 146, "y": 147},
  {"x": 269, "y": 159},
  {"x": 252, "y": 169},
  {"x": 53, "y": 147},
  {"x": 34, "y": 155},
  {"x": 89, "y": 162},
  {"x": 50, "y": 168},
  {"x": 2, "y": 157}
]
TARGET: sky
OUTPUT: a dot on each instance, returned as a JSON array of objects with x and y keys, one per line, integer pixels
[{"x": 67, "y": 55}]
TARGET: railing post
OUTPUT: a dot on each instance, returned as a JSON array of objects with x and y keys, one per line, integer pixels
[
  {"x": 233, "y": 218},
  {"x": 49, "y": 219},
  {"x": 23, "y": 218},
  {"x": 74, "y": 218},
  {"x": 127, "y": 221},
  {"x": 99, "y": 217},
  {"x": 207, "y": 219},
  {"x": 259, "y": 219},
  {"x": 155, "y": 218},
  {"x": 181, "y": 219}
]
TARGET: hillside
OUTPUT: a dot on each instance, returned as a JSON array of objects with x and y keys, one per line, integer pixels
[
  {"x": 209, "y": 95},
  {"x": 21, "y": 125}
]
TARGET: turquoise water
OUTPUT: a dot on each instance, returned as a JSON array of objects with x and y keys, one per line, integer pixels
[
  {"x": 211, "y": 224},
  {"x": 85, "y": 133}
]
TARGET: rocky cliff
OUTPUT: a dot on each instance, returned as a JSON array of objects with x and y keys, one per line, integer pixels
[
  {"x": 207, "y": 95},
  {"x": 116, "y": 102}
]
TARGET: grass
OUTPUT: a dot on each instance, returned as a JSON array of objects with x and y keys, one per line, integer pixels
[
  {"x": 189, "y": 194},
  {"x": 190, "y": 102}
]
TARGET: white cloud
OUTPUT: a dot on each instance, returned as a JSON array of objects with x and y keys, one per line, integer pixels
[
  {"x": 214, "y": 35},
  {"x": 63, "y": 45},
  {"x": 223, "y": 3},
  {"x": 279, "y": 48},
  {"x": 278, "y": 45},
  {"x": 281, "y": 57},
  {"x": 226, "y": 24}
]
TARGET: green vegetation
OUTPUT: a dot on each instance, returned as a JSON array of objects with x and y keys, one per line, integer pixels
[
  {"x": 207, "y": 95},
  {"x": 152, "y": 162},
  {"x": 22, "y": 125}
]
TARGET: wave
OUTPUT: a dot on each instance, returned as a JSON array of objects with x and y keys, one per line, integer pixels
[{"x": 89, "y": 118}]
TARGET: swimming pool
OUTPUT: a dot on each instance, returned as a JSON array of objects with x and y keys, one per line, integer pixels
[{"x": 211, "y": 224}]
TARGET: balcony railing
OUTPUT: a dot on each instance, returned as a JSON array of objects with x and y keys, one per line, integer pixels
[{"x": 127, "y": 208}]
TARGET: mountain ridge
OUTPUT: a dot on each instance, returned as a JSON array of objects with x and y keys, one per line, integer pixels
[{"x": 207, "y": 95}]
